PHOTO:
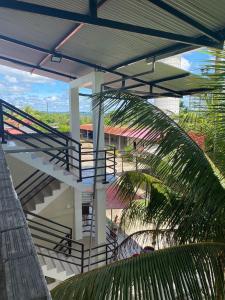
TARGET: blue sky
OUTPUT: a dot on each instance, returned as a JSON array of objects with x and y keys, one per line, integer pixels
[{"x": 20, "y": 87}]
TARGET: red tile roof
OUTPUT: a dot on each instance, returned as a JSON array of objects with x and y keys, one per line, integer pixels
[
  {"x": 121, "y": 131},
  {"x": 198, "y": 138},
  {"x": 113, "y": 200}
]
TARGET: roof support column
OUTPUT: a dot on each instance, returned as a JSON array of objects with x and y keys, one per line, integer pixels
[
  {"x": 77, "y": 215},
  {"x": 75, "y": 134},
  {"x": 98, "y": 133},
  {"x": 98, "y": 138},
  {"x": 74, "y": 113}
]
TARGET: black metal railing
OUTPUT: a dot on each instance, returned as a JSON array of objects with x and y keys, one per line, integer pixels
[
  {"x": 59, "y": 148},
  {"x": 111, "y": 237},
  {"x": 57, "y": 237}
]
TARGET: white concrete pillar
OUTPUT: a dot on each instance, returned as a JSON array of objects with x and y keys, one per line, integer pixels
[
  {"x": 100, "y": 199},
  {"x": 78, "y": 225},
  {"x": 100, "y": 215},
  {"x": 75, "y": 134},
  {"x": 119, "y": 146},
  {"x": 98, "y": 134},
  {"x": 75, "y": 126},
  {"x": 96, "y": 88},
  {"x": 74, "y": 114}
]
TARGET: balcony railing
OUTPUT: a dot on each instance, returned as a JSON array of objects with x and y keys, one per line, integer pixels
[
  {"x": 56, "y": 146},
  {"x": 56, "y": 237}
]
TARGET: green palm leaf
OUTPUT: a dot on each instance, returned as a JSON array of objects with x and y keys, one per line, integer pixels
[
  {"x": 184, "y": 272},
  {"x": 135, "y": 242},
  {"x": 178, "y": 162}
]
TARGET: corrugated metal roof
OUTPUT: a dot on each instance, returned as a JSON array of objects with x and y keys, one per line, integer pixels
[
  {"x": 208, "y": 12},
  {"x": 106, "y": 47},
  {"x": 162, "y": 70},
  {"x": 80, "y": 6},
  {"x": 144, "y": 13},
  {"x": 103, "y": 46},
  {"x": 35, "y": 29}
]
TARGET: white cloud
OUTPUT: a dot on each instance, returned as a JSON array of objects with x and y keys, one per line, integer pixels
[
  {"x": 11, "y": 79},
  {"x": 22, "y": 76},
  {"x": 18, "y": 89},
  {"x": 185, "y": 64}
]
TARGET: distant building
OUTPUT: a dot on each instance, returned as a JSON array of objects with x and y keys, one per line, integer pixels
[{"x": 120, "y": 137}]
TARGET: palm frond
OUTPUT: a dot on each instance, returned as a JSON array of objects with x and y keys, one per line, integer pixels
[
  {"x": 178, "y": 162},
  {"x": 135, "y": 242},
  {"x": 184, "y": 272}
]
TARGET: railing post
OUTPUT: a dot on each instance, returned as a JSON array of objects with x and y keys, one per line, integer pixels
[
  {"x": 105, "y": 166},
  {"x": 114, "y": 161},
  {"x": 80, "y": 163},
  {"x": 82, "y": 258},
  {"x": 2, "y": 130},
  {"x": 106, "y": 255},
  {"x": 70, "y": 242},
  {"x": 67, "y": 156}
]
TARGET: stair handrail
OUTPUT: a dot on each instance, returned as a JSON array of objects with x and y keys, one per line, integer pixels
[
  {"x": 36, "y": 121},
  {"x": 45, "y": 219}
]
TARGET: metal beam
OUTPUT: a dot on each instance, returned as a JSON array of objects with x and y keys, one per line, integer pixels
[
  {"x": 74, "y": 30},
  {"x": 73, "y": 59},
  {"x": 73, "y": 16},
  {"x": 18, "y": 62},
  {"x": 93, "y": 8},
  {"x": 158, "y": 54},
  {"x": 161, "y": 80},
  {"x": 60, "y": 43},
  {"x": 188, "y": 20},
  {"x": 165, "y": 52}
]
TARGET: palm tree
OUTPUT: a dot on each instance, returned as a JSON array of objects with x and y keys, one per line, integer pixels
[{"x": 185, "y": 194}]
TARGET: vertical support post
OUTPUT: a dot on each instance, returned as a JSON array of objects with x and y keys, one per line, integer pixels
[
  {"x": 70, "y": 242},
  {"x": 2, "y": 130},
  {"x": 105, "y": 169},
  {"x": 100, "y": 215},
  {"x": 114, "y": 161},
  {"x": 82, "y": 258},
  {"x": 78, "y": 225},
  {"x": 106, "y": 254},
  {"x": 75, "y": 114},
  {"x": 98, "y": 136},
  {"x": 67, "y": 156},
  {"x": 119, "y": 144},
  {"x": 75, "y": 123},
  {"x": 96, "y": 114},
  {"x": 80, "y": 163}
]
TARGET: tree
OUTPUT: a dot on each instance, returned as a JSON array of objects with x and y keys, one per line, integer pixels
[{"x": 186, "y": 194}]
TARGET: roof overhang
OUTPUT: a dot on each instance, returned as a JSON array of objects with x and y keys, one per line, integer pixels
[{"x": 104, "y": 35}]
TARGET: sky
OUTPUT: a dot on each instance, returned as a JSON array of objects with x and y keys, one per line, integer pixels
[{"x": 44, "y": 94}]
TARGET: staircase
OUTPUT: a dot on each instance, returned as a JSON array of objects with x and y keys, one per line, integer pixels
[
  {"x": 59, "y": 162},
  {"x": 60, "y": 256},
  {"x": 56, "y": 265},
  {"x": 39, "y": 190},
  {"x": 43, "y": 164},
  {"x": 50, "y": 151}
]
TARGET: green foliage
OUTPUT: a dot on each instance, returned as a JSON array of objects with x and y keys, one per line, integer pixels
[
  {"x": 184, "y": 272},
  {"x": 184, "y": 190},
  {"x": 179, "y": 163},
  {"x": 59, "y": 121},
  {"x": 127, "y": 154},
  {"x": 209, "y": 115}
]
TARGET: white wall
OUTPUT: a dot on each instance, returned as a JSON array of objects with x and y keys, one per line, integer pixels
[
  {"x": 167, "y": 104},
  {"x": 19, "y": 170},
  {"x": 61, "y": 209}
]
